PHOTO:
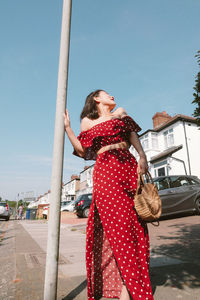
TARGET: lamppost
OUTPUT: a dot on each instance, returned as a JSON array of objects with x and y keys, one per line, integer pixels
[{"x": 51, "y": 272}]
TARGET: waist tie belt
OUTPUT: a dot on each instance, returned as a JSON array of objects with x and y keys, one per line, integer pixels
[{"x": 122, "y": 145}]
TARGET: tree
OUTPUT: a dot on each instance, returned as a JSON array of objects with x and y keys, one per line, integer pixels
[
  {"x": 12, "y": 203},
  {"x": 196, "y": 94},
  {"x": 20, "y": 202}
]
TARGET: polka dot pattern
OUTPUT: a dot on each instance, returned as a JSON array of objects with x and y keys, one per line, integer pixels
[{"x": 117, "y": 241}]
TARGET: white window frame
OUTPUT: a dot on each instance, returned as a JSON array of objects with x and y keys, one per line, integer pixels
[
  {"x": 169, "y": 138},
  {"x": 159, "y": 165},
  {"x": 145, "y": 141},
  {"x": 154, "y": 141}
]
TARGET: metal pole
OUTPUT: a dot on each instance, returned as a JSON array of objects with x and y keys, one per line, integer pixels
[
  {"x": 187, "y": 149},
  {"x": 51, "y": 272}
]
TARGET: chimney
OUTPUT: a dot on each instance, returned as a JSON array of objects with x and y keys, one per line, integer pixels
[
  {"x": 160, "y": 118},
  {"x": 74, "y": 176}
]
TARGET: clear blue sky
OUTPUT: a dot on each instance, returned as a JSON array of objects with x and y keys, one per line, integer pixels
[{"x": 142, "y": 52}]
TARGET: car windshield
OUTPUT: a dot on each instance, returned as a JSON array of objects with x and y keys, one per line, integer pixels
[
  {"x": 83, "y": 197},
  {"x": 3, "y": 204},
  {"x": 78, "y": 199},
  {"x": 161, "y": 183},
  {"x": 70, "y": 202}
]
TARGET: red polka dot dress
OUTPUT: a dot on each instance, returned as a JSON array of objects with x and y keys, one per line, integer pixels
[{"x": 117, "y": 241}]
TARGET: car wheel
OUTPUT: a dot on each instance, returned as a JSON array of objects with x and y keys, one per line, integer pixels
[
  {"x": 86, "y": 212},
  {"x": 198, "y": 205},
  {"x": 79, "y": 216}
]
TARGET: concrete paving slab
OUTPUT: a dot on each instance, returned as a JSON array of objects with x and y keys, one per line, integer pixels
[{"x": 72, "y": 244}]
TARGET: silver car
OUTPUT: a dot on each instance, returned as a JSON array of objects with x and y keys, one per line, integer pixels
[
  {"x": 4, "y": 211},
  {"x": 179, "y": 194},
  {"x": 68, "y": 207}
]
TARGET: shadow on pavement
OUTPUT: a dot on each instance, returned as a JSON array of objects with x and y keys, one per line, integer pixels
[
  {"x": 178, "y": 216},
  {"x": 184, "y": 245},
  {"x": 7, "y": 238},
  {"x": 75, "y": 292}
]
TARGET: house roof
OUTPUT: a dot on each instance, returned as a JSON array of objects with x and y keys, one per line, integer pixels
[
  {"x": 87, "y": 167},
  {"x": 173, "y": 120},
  {"x": 42, "y": 205},
  {"x": 165, "y": 153},
  {"x": 70, "y": 181}
]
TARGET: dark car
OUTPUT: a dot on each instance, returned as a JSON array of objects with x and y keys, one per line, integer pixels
[
  {"x": 179, "y": 194},
  {"x": 4, "y": 210},
  {"x": 82, "y": 205}
]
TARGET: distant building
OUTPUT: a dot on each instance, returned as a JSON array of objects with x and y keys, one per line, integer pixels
[
  {"x": 70, "y": 189},
  {"x": 86, "y": 182},
  {"x": 42, "y": 199},
  {"x": 172, "y": 146}
]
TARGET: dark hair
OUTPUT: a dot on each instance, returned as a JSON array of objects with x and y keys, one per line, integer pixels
[{"x": 90, "y": 108}]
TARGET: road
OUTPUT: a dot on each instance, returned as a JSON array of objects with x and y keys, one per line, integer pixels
[{"x": 174, "y": 270}]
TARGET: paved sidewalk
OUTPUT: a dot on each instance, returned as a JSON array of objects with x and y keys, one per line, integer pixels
[
  {"x": 7, "y": 261},
  {"x": 22, "y": 263},
  {"x": 175, "y": 260}
]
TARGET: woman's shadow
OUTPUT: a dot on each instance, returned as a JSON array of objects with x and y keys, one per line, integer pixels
[{"x": 181, "y": 259}]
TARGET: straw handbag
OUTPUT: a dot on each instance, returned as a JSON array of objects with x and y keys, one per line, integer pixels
[{"x": 147, "y": 201}]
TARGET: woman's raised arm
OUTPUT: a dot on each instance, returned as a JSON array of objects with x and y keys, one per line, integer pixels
[{"x": 73, "y": 139}]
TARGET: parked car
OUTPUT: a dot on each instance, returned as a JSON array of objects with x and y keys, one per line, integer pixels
[
  {"x": 82, "y": 205},
  {"x": 4, "y": 210},
  {"x": 179, "y": 194},
  {"x": 68, "y": 207},
  {"x": 65, "y": 202}
]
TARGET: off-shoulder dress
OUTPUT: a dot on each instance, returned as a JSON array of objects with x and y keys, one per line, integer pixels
[{"x": 117, "y": 241}]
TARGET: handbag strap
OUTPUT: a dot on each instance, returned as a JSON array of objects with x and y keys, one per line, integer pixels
[
  {"x": 149, "y": 177},
  {"x": 141, "y": 180},
  {"x": 140, "y": 183}
]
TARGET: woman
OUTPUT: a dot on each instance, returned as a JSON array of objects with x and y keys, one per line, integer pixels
[{"x": 117, "y": 242}]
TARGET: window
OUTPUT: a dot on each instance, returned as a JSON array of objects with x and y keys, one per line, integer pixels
[
  {"x": 177, "y": 181},
  {"x": 160, "y": 169},
  {"x": 145, "y": 141},
  {"x": 154, "y": 140},
  {"x": 169, "y": 138}
]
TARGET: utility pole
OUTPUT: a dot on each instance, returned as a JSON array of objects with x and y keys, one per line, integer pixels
[
  {"x": 51, "y": 272},
  {"x": 16, "y": 206}
]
